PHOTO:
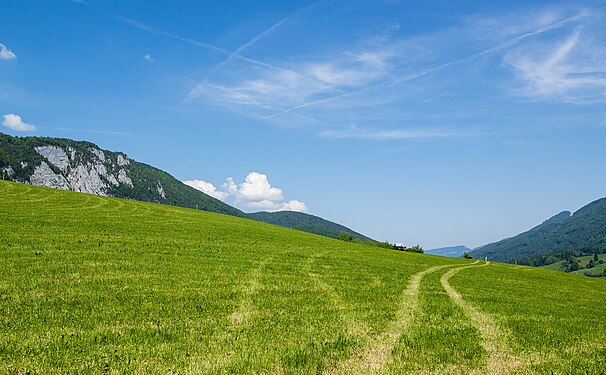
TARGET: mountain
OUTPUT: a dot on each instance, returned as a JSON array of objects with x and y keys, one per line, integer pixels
[
  {"x": 452, "y": 251},
  {"x": 585, "y": 230},
  {"x": 306, "y": 223},
  {"x": 84, "y": 167}
]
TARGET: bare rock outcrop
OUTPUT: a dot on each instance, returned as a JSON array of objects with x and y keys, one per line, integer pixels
[
  {"x": 55, "y": 155},
  {"x": 160, "y": 190},
  {"x": 123, "y": 178},
  {"x": 86, "y": 179},
  {"x": 123, "y": 160},
  {"x": 44, "y": 176}
]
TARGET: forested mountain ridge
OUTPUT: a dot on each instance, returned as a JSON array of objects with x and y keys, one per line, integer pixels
[
  {"x": 83, "y": 167},
  {"x": 582, "y": 231},
  {"x": 307, "y": 223}
]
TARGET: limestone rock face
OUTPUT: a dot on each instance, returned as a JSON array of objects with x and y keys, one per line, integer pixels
[
  {"x": 86, "y": 179},
  {"x": 83, "y": 167},
  {"x": 123, "y": 178},
  {"x": 91, "y": 172},
  {"x": 44, "y": 176},
  {"x": 123, "y": 160},
  {"x": 160, "y": 190},
  {"x": 8, "y": 172},
  {"x": 98, "y": 153},
  {"x": 55, "y": 155}
]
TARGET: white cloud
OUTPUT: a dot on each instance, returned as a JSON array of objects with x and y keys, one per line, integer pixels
[
  {"x": 255, "y": 188},
  {"x": 255, "y": 193},
  {"x": 294, "y": 205},
  {"x": 15, "y": 123},
  {"x": 329, "y": 84},
  {"x": 263, "y": 89},
  {"x": 267, "y": 205},
  {"x": 569, "y": 69},
  {"x": 6, "y": 54},
  {"x": 148, "y": 57},
  {"x": 207, "y": 188},
  {"x": 389, "y": 134}
]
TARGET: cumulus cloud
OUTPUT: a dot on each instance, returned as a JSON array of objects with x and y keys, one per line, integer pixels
[
  {"x": 6, "y": 54},
  {"x": 293, "y": 205},
  {"x": 254, "y": 193},
  {"x": 267, "y": 205},
  {"x": 255, "y": 188},
  {"x": 15, "y": 123},
  {"x": 207, "y": 188}
]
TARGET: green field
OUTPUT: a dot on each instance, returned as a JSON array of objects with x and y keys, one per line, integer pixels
[
  {"x": 597, "y": 270},
  {"x": 104, "y": 285}
]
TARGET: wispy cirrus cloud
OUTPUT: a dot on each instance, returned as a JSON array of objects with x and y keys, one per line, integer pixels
[
  {"x": 407, "y": 77},
  {"x": 391, "y": 134},
  {"x": 270, "y": 30},
  {"x": 373, "y": 76},
  {"x": 567, "y": 69}
]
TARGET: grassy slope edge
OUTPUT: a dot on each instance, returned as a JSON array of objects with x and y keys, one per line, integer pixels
[{"x": 106, "y": 285}]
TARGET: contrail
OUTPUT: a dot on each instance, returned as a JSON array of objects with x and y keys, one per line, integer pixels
[
  {"x": 412, "y": 76},
  {"x": 270, "y": 30}
]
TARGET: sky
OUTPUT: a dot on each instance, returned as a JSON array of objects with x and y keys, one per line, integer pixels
[{"x": 436, "y": 123}]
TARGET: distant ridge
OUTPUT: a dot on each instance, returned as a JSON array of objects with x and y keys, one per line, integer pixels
[
  {"x": 451, "y": 251},
  {"x": 307, "y": 223},
  {"x": 82, "y": 166},
  {"x": 585, "y": 229}
]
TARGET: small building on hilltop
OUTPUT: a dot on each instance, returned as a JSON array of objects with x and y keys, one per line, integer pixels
[{"x": 399, "y": 246}]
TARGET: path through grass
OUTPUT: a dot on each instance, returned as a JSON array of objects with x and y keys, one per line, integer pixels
[{"x": 92, "y": 284}]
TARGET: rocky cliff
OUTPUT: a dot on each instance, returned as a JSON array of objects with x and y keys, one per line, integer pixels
[{"x": 84, "y": 167}]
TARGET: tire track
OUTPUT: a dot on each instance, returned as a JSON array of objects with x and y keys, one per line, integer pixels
[
  {"x": 246, "y": 308},
  {"x": 353, "y": 327},
  {"x": 379, "y": 348},
  {"x": 501, "y": 360}
]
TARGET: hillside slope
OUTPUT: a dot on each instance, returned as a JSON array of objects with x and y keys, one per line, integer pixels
[
  {"x": 307, "y": 223},
  {"x": 563, "y": 232},
  {"x": 84, "y": 167},
  {"x": 166, "y": 289}
]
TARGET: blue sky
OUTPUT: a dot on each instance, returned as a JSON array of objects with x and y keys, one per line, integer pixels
[{"x": 440, "y": 123}]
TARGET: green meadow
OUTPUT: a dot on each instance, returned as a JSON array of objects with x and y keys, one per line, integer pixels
[
  {"x": 583, "y": 261},
  {"x": 91, "y": 284}
]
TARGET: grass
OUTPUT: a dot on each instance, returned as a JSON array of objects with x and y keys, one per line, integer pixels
[
  {"x": 583, "y": 261},
  {"x": 103, "y": 285}
]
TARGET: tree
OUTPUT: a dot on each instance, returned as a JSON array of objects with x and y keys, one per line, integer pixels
[
  {"x": 416, "y": 249},
  {"x": 596, "y": 257},
  {"x": 344, "y": 236},
  {"x": 467, "y": 256},
  {"x": 572, "y": 265}
]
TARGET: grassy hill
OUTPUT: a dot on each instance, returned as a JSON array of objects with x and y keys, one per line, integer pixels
[
  {"x": 597, "y": 271},
  {"x": 94, "y": 284},
  {"x": 585, "y": 230},
  {"x": 83, "y": 166},
  {"x": 306, "y": 223}
]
